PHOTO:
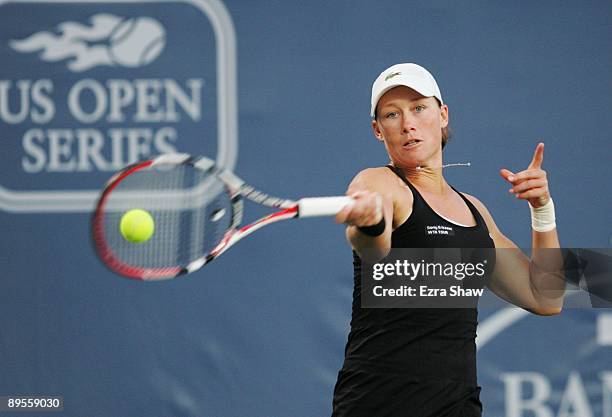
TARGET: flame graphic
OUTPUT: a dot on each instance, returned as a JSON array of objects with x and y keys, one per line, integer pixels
[{"x": 109, "y": 40}]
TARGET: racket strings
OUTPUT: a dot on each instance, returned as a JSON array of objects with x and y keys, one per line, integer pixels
[
  {"x": 212, "y": 218},
  {"x": 191, "y": 210}
]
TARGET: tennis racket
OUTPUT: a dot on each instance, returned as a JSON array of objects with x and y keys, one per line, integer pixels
[{"x": 197, "y": 209}]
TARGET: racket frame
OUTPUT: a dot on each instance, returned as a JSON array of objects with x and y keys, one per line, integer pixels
[{"x": 237, "y": 190}]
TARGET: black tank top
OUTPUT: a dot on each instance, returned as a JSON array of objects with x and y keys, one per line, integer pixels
[{"x": 434, "y": 344}]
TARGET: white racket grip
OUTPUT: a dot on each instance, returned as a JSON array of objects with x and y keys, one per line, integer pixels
[{"x": 322, "y": 206}]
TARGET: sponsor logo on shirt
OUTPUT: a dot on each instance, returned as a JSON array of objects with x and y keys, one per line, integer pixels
[{"x": 439, "y": 230}]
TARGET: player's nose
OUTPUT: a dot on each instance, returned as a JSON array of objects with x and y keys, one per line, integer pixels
[{"x": 408, "y": 125}]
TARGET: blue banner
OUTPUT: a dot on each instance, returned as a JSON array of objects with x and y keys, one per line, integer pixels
[{"x": 280, "y": 93}]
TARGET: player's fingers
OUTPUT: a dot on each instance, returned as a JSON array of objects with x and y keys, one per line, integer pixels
[
  {"x": 506, "y": 174},
  {"x": 343, "y": 214},
  {"x": 357, "y": 195},
  {"x": 527, "y": 174},
  {"x": 372, "y": 210},
  {"x": 538, "y": 156},
  {"x": 532, "y": 193},
  {"x": 378, "y": 208},
  {"x": 366, "y": 208},
  {"x": 526, "y": 185}
]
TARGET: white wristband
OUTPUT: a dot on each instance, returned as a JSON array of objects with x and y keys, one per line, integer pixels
[{"x": 543, "y": 218}]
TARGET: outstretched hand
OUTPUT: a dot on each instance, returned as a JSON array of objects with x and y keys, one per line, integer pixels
[
  {"x": 367, "y": 210},
  {"x": 530, "y": 184}
]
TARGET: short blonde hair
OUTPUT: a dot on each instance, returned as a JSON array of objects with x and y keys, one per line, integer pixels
[{"x": 446, "y": 135}]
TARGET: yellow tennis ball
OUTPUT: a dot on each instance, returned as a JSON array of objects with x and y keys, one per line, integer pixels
[{"x": 137, "y": 226}]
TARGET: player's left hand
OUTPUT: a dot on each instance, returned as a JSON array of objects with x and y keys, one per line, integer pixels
[{"x": 530, "y": 184}]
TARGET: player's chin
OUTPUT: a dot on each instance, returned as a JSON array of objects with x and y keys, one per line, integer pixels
[{"x": 404, "y": 159}]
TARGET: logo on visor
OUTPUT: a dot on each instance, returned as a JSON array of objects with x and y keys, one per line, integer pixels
[
  {"x": 393, "y": 74},
  {"x": 108, "y": 41}
]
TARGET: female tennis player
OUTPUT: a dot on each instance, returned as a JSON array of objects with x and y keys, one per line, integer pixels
[{"x": 422, "y": 362}]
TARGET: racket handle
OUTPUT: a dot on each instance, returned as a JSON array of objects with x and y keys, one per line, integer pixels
[{"x": 322, "y": 206}]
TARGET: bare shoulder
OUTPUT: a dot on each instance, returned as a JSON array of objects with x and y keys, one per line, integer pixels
[
  {"x": 373, "y": 179},
  {"x": 389, "y": 185},
  {"x": 479, "y": 204},
  {"x": 486, "y": 215},
  {"x": 377, "y": 172}
]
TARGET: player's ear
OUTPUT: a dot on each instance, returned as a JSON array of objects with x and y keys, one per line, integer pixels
[
  {"x": 376, "y": 130},
  {"x": 444, "y": 115}
]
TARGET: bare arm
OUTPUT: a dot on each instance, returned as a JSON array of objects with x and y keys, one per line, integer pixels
[
  {"x": 373, "y": 202},
  {"x": 536, "y": 284},
  {"x": 517, "y": 279}
]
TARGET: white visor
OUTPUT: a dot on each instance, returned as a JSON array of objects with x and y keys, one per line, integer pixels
[{"x": 409, "y": 75}]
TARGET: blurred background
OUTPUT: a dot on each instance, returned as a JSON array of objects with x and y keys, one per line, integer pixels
[{"x": 280, "y": 91}]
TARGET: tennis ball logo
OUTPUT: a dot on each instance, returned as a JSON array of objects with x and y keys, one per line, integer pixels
[
  {"x": 137, "y": 226},
  {"x": 107, "y": 40},
  {"x": 136, "y": 42}
]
